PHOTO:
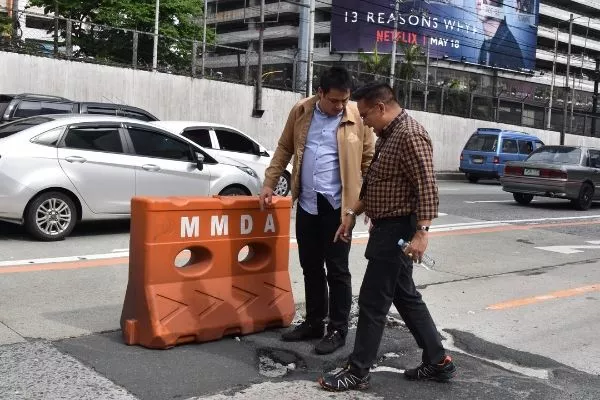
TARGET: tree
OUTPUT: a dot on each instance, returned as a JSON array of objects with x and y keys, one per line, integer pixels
[
  {"x": 375, "y": 64},
  {"x": 102, "y": 29},
  {"x": 412, "y": 55}
]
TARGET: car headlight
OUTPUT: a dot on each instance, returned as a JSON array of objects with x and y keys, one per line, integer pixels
[{"x": 249, "y": 171}]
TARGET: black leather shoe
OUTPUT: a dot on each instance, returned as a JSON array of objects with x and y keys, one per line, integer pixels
[
  {"x": 330, "y": 343},
  {"x": 304, "y": 331}
]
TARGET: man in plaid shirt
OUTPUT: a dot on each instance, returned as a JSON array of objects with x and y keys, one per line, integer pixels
[{"x": 399, "y": 194}]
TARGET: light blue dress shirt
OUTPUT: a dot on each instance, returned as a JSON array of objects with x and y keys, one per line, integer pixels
[{"x": 320, "y": 172}]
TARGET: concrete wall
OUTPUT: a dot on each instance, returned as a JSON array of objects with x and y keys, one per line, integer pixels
[
  {"x": 166, "y": 96},
  {"x": 181, "y": 98}
]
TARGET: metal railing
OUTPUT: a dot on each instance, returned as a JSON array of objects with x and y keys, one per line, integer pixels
[{"x": 78, "y": 41}]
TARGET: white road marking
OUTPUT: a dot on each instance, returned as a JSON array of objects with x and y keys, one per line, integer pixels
[
  {"x": 491, "y": 201},
  {"x": 118, "y": 253},
  {"x": 383, "y": 368},
  {"x": 63, "y": 259},
  {"x": 572, "y": 249},
  {"x": 448, "y": 343}
]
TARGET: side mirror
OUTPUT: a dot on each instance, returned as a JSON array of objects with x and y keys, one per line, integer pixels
[
  {"x": 263, "y": 152},
  {"x": 199, "y": 161}
]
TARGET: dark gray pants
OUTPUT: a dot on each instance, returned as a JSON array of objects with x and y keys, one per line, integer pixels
[
  {"x": 388, "y": 280},
  {"x": 327, "y": 293}
]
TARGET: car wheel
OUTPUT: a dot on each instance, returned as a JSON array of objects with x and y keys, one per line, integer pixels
[
  {"x": 51, "y": 216},
  {"x": 472, "y": 178},
  {"x": 283, "y": 185},
  {"x": 523, "y": 198},
  {"x": 586, "y": 195},
  {"x": 233, "y": 191}
]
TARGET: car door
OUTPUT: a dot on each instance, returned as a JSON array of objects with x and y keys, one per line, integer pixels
[
  {"x": 509, "y": 151},
  {"x": 594, "y": 164},
  {"x": 241, "y": 148},
  {"x": 165, "y": 164},
  {"x": 92, "y": 155}
]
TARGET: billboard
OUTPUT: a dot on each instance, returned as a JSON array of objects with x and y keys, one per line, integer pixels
[{"x": 494, "y": 33}]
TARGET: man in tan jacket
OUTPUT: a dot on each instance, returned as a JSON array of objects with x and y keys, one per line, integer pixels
[{"x": 332, "y": 150}]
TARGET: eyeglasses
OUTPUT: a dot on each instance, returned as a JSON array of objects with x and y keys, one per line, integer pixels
[{"x": 364, "y": 115}]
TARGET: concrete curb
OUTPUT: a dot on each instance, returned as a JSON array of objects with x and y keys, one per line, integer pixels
[{"x": 450, "y": 176}]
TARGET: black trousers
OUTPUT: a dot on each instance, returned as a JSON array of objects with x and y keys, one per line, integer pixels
[
  {"x": 314, "y": 234},
  {"x": 388, "y": 280}
]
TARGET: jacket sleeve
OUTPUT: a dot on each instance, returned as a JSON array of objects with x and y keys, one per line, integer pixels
[
  {"x": 368, "y": 149},
  {"x": 283, "y": 152}
]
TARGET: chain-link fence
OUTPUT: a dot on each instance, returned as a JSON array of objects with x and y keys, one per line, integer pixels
[{"x": 441, "y": 91}]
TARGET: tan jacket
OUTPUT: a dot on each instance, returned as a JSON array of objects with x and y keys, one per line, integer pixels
[{"x": 355, "y": 148}]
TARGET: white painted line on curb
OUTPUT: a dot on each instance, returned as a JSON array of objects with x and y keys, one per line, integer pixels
[{"x": 63, "y": 259}]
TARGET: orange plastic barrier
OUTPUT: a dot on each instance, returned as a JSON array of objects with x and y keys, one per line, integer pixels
[{"x": 234, "y": 278}]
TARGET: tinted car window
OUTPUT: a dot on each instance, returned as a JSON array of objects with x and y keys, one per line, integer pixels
[
  {"x": 101, "y": 111},
  {"x": 594, "y": 159},
  {"x": 56, "y": 108},
  {"x": 154, "y": 144},
  {"x": 4, "y": 102},
  {"x": 525, "y": 146},
  {"x": 232, "y": 141},
  {"x": 94, "y": 138},
  {"x": 479, "y": 142},
  {"x": 28, "y": 109},
  {"x": 556, "y": 155},
  {"x": 21, "y": 125},
  {"x": 200, "y": 137},
  {"x": 509, "y": 146},
  {"x": 136, "y": 115},
  {"x": 49, "y": 138}
]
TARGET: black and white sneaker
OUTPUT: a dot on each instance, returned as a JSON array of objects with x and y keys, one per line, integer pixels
[
  {"x": 441, "y": 372},
  {"x": 342, "y": 379}
]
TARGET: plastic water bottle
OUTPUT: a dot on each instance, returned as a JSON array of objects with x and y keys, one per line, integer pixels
[{"x": 426, "y": 262}]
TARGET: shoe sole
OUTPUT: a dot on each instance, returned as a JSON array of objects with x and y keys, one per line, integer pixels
[
  {"x": 321, "y": 352},
  {"x": 363, "y": 386},
  {"x": 442, "y": 378}
]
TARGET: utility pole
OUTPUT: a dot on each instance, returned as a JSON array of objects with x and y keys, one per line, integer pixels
[
  {"x": 311, "y": 49},
  {"x": 15, "y": 21},
  {"x": 426, "y": 93},
  {"x": 394, "y": 44},
  {"x": 56, "y": 28},
  {"x": 155, "y": 47},
  {"x": 565, "y": 106},
  {"x": 302, "y": 59},
  {"x": 204, "y": 39},
  {"x": 595, "y": 98},
  {"x": 553, "y": 78},
  {"x": 258, "y": 111}
]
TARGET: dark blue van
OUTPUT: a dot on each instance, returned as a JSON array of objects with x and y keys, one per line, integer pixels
[{"x": 488, "y": 149}]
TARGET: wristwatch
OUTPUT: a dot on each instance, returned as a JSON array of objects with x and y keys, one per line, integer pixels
[
  {"x": 422, "y": 228},
  {"x": 350, "y": 211}
]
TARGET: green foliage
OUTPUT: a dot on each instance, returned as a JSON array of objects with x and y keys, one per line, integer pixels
[
  {"x": 412, "y": 55},
  {"x": 375, "y": 63},
  {"x": 103, "y": 28}
]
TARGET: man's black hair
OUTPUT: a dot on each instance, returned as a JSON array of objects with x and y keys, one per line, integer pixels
[
  {"x": 335, "y": 78},
  {"x": 375, "y": 92}
]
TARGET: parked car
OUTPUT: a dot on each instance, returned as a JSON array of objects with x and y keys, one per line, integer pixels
[
  {"x": 58, "y": 170},
  {"x": 565, "y": 172},
  {"x": 228, "y": 141},
  {"x": 17, "y": 106},
  {"x": 488, "y": 149}
]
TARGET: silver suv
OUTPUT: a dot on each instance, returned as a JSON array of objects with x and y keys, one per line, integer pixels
[{"x": 56, "y": 170}]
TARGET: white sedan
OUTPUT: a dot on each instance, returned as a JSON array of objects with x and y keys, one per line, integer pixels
[
  {"x": 57, "y": 170},
  {"x": 229, "y": 142}
]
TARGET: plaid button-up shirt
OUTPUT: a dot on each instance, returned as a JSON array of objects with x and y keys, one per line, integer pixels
[{"x": 401, "y": 181}]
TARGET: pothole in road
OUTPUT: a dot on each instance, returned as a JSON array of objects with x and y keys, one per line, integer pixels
[{"x": 277, "y": 363}]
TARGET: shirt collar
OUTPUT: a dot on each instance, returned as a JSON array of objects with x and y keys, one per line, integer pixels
[
  {"x": 389, "y": 128},
  {"x": 327, "y": 115},
  {"x": 346, "y": 116}
]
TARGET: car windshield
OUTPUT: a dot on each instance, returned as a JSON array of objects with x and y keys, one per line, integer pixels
[
  {"x": 20, "y": 125},
  {"x": 479, "y": 142},
  {"x": 556, "y": 155}
]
